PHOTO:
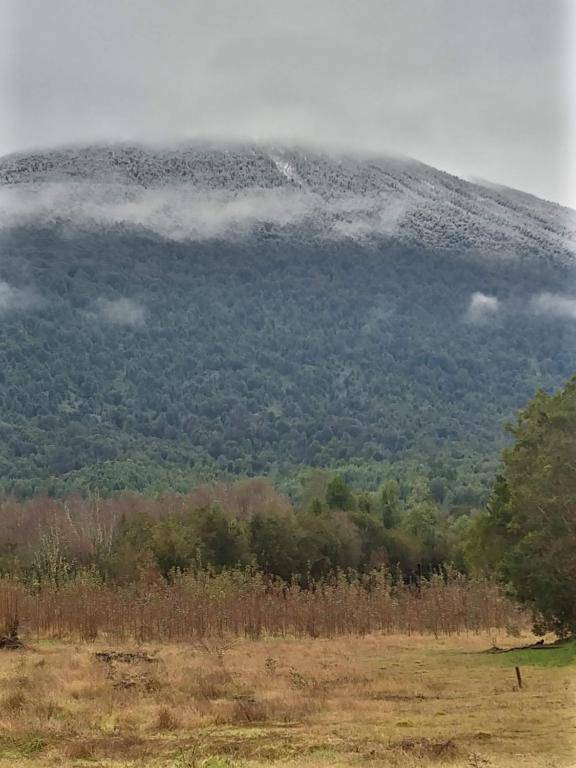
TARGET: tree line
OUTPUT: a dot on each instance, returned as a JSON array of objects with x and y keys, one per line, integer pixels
[
  {"x": 219, "y": 527},
  {"x": 525, "y": 536}
]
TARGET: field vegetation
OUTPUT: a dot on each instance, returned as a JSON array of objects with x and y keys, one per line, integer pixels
[
  {"x": 394, "y": 701},
  {"x": 247, "y": 604},
  {"x": 232, "y": 627}
]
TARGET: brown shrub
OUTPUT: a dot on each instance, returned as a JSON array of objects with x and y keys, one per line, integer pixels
[
  {"x": 14, "y": 702},
  {"x": 80, "y": 750},
  {"x": 200, "y": 606},
  {"x": 166, "y": 720}
]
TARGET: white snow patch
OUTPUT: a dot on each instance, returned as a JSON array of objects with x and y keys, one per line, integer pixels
[{"x": 285, "y": 169}]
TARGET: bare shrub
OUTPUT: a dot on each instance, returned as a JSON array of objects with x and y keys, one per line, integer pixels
[
  {"x": 212, "y": 609},
  {"x": 166, "y": 720},
  {"x": 14, "y": 702},
  {"x": 80, "y": 750},
  {"x": 211, "y": 685}
]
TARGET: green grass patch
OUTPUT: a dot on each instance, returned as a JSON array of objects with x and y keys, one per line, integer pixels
[
  {"x": 26, "y": 745},
  {"x": 557, "y": 656}
]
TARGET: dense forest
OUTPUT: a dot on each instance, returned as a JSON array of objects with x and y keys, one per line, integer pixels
[
  {"x": 170, "y": 316},
  {"x": 250, "y": 534},
  {"x": 129, "y": 361},
  {"x": 246, "y": 524}
]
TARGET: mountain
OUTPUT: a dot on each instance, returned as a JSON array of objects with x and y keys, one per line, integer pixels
[
  {"x": 204, "y": 191},
  {"x": 171, "y": 314}
]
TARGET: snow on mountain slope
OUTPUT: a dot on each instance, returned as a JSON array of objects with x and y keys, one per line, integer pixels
[{"x": 203, "y": 191}]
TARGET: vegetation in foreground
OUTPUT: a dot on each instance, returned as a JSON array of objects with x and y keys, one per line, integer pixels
[
  {"x": 527, "y": 534},
  {"x": 559, "y": 654},
  {"x": 376, "y": 701},
  {"x": 247, "y": 604}
]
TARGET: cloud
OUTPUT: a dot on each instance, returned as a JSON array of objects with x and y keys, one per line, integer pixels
[
  {"x": 362, "y": 216},
  {"x": 121, "y": 311},
  {"x": 482, "y": 307},
  {"x": 421, "y": 78},
  {"x": 184, "y": 212},
  {"x": 14, "y": 299},
  {"x": 554, "y": 305},
  {"x": 544, "y": 304}
]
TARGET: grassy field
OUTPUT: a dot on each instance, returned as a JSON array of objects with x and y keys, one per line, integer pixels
[{"x": 393, "y": 701}]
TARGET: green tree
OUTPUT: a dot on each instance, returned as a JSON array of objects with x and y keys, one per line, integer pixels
[
  {"x": 274, "y": 541},
  {"x": 223, "y": 540},
  {"x": 422, "y": 519},
  {"x": 339, "y": 495},
  {"x": 528, "y": 531},
  {"x": 173, "y": 544},
  {"x": 390, "y": 499},
  {"x": 316, "y": 507}
]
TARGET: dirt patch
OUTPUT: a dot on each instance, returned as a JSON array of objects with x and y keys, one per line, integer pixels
[
  {"x": 125, "y": 657},
  {"x": 124, "y": 670},
  {"x": 11, "y": 641},
  {"x": 427, "y": 749},
  {"x": 384, "y": 696},
  {"x": 111, "y": 748}
]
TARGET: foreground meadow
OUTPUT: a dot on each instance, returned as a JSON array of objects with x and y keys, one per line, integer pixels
[{"x": 379, "y": 700}]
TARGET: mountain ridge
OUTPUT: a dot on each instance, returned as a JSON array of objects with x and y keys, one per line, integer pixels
[{"x": 338, "y": 195}]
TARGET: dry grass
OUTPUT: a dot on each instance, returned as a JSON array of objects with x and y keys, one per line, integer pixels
[
  {"x": 379, "y": 700},
  {"x": 248, "y": 604}
]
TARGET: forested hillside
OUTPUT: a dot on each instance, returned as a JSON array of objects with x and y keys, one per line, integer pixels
[{"x": 132, "y": 358}]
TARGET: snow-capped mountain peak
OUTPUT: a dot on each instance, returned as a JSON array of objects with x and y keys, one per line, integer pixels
[{"x": 202, "y": 190}]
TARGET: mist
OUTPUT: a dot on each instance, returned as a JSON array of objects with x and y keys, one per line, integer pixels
[
  {"x": 14, "y": 299},
  {"x": 122, "y": 311},
  {"x": 183, "y": 212},
  {"x": 554, "y": 305},
  {"x": 482, "y": 307}
]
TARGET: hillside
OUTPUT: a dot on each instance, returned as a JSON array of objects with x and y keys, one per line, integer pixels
[
  {"x": 203, "y": 191},
  {"x": 169, "y": 315}
]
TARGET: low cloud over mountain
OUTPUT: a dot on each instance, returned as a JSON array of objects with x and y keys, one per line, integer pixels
[{"x": 203, "y": 192}]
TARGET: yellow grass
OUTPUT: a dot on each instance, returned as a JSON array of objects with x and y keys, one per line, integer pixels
[{"x": 391, "y": 700}]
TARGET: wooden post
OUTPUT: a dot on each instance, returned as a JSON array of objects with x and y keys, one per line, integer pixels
[{"x": 518, "y": 677}]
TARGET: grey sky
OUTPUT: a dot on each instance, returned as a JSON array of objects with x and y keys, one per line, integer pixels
[{"x": 477, "y": 87}]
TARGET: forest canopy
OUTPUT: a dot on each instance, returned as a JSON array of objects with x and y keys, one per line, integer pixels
[
  {"x": 222, "y": 527},
  {"x": 132, "y": 362}
]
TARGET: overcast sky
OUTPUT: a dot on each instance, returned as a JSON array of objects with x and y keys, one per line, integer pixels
[{"x": 477, "y": 87}]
